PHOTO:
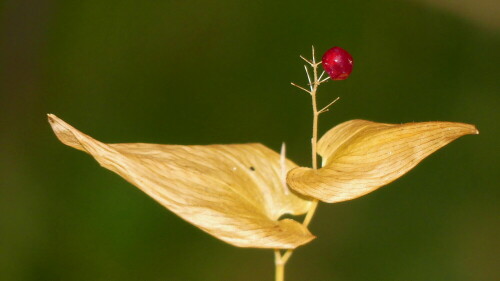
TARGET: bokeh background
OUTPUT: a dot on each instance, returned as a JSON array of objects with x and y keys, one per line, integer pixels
[{"x": 204, "y": 72}]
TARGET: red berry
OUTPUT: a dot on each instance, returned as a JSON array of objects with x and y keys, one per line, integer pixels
[{"x": 337, "y": 62}]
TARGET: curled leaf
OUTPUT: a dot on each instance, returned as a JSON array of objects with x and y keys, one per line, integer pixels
[
  {"x": 360, "y": 156},
  {"x": 233, "y": 192}
]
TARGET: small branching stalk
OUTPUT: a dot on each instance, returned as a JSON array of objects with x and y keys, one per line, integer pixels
[{"x": 280, "y": 259}]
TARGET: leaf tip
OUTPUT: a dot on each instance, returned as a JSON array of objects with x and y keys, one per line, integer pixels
[
  {"x": 50, "y": 117},
  {"x": 58, "y": 126},
  {"x": 476, "y": 131},
  {"x": 64, "y": 132},
  {"x": 470, "y": 129}
]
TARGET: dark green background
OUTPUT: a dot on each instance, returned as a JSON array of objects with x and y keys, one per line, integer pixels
[{"x": 203, "y": 72}]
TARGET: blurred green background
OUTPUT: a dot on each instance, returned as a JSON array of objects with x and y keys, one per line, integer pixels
[{"x": 203, "y": 72}]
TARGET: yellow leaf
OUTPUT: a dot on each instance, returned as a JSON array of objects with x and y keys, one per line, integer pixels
[
  {"x": 233, "y": 192},
  {"x": 360, "y": 156}
]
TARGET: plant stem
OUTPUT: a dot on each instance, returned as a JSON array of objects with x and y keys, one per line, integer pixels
[
  {"x": 280, "y": 266},
  {"x": 316, "y": 113},
  {"x": 310, "y": 213},
  {"x": 281, "y": 260},
  {"x": 314, "y": 140}
]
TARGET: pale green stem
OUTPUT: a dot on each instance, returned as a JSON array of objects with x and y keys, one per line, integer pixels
[
  {"x": 281, "y": 260},
  {"x": 279, "y": 265}
]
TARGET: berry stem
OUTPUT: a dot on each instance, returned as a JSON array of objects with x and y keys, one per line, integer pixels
[
  {"x": 316, "y": 113},
  {"x": 280, "y": 260},
  {"x": 314, "y": 140}
]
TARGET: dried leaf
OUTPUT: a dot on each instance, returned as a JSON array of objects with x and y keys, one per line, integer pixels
[
  {"x": 360, "y": 156},
  {"x": 233, "y": 192}
]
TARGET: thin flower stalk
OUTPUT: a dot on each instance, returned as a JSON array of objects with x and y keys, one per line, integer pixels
[{"x": 314, "y": 82}]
